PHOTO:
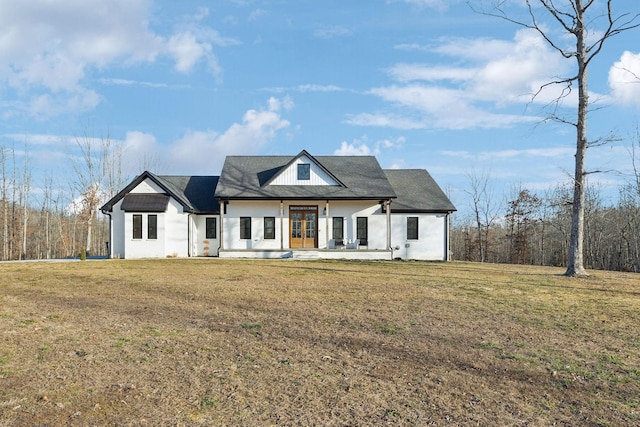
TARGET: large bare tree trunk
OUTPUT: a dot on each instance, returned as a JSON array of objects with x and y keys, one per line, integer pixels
[
  {"x": 570, "y": 17},
  {"x": 575, "y": 261}
]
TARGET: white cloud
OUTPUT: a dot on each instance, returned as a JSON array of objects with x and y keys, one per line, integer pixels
[
  {"x": 197, "y": 151},
  {"x": 412, "y": 72},
  {"x": 356, "y": 148},
  {"x": 48, "y": 49},
  {"x": 304, "y": 88},
  {"x": 76, "y": 101},
  {"x": 394, "y": 121},
  {"x": 188, "y": 51},
  {"x": 360, "y": 147},
  {"x": 203, "y": 152},
  {"x": 331, "y": 32},
  {"x": 257, "y": 14},
  {"x": 127, "y": 82},
  {"x": 624, "y": 79},
  {"x": 550, "y": 152},
  {"x": 489, "y": 76}
]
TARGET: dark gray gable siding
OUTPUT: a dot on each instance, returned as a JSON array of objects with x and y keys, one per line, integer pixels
[
  {"x": 247, "y": 177},
  {"x": 145, "y": 202},
  {"x": 417, "y": 192}
]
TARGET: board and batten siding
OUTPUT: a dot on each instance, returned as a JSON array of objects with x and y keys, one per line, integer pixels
[{"x": 317, "y": 176}]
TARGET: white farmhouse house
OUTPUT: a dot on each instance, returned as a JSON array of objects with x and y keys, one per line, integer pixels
[{"x": 283, "y": 206}]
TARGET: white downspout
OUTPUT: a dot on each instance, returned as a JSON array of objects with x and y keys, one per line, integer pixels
[{"x": 388, "y": 208}]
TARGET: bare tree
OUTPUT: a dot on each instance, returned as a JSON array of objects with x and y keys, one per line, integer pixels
[
  {"x": 5, "y": 204},
  {"x": 484, "y": 209},
  {"x": 89, "y": 171},
  {"x": 24, "y": 195},
  {"x": 573, "y": 18}
]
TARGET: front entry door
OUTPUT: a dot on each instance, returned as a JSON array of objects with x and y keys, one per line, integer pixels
[{"x": 303, "y": 226}]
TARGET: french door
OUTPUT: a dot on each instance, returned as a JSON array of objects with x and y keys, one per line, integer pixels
[{"x": 303, "y": 226}]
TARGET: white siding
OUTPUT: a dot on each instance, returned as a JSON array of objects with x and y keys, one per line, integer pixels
[
  {"x": 176, "y": 238},
  {"x": 350, "y": 211},
  {"x": 256, "y": 211},
  {"x": 146, "y": 186},
  {"x": 176, "y": 226},
  {"x": 201, "y": 246},
  {"x": 117, "y": 232},
  {"x": 317, "y": 176},
  {"x": 172, "y": 238},
  {"x": 432, "y": 237}
]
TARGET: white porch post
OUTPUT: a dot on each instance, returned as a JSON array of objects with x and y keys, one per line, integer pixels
[
  {"x": 326, "y": 215},
  {"x": 281, "y": 224},
  {"x": 387, "y": 204},
  {"x": 221, "y": 225}
]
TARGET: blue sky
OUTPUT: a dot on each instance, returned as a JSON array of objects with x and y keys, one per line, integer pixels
[{"x": 417, "y": 83}]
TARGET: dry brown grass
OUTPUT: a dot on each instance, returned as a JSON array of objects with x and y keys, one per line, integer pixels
[{"x": 215, "y": 342}]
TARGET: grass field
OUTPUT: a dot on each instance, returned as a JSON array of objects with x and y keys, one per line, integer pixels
[{"x": 255, "y": 343}]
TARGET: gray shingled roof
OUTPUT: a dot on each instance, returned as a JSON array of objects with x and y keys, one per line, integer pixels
[
  {"x": 145, "y": 202},
  {"x": 244, "y": 177},
  {"x": 417, "y": 192},
  {"x": 194, "y": 193},
  {"x": 197, "y": 191}
]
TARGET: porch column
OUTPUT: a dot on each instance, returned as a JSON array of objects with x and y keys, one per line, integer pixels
[
  {"x": 326, "y": 215},
  {"x": 221, "y": 225},
  {"x": 281, "y": 224},
  {"x": 387, "y": 205}
]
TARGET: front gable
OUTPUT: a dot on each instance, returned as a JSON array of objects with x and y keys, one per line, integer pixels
[
  {"x": 304, "y": 169},
  {"x": 145, "y": 183}
]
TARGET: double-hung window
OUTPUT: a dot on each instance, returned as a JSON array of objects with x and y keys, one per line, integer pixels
[
  {"x": 362, "y": 229},
  {"x": 338, "y": 229},
  {"x": 412, "y": 228},
  {"x": 137, "y": 226},
  {"x": 245, "y": 227},
  {"x": 210, "y": 228},
  {"x": 152, "y": 227},
  {"x": 269, "y": 227}
]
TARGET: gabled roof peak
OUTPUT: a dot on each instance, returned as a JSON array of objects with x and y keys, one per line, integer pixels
[{"x": 304, "y": 153}]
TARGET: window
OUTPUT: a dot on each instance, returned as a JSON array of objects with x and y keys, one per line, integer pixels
[
  {"x": 338, "y": 228},
  {"x": 137, "y": 226},
  {"x": 152, "y": 227},
  {"x": 210, "y": 228},
  {"x": 269, "y": 227},
  {"x": 412, "y": 228},
  {"x": 362, "y": 229},
  {"x": 245, "y": 227},
  {"x": 304, "y": 172}
]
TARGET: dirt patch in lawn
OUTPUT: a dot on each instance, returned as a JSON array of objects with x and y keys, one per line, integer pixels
[{"x": 238, "y": 342}]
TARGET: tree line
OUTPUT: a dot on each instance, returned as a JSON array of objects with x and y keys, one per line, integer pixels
[
  {"x": 46, "y": 219},
  {"x": 531, "y": 228}
]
